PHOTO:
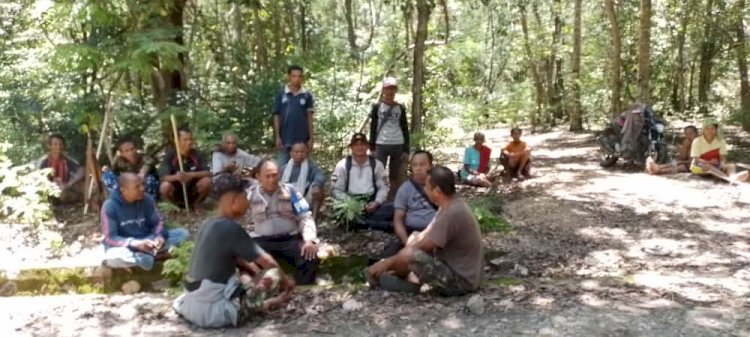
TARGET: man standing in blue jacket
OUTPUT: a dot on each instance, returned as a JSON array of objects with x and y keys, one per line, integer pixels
[{"x": 133, "y": 229}]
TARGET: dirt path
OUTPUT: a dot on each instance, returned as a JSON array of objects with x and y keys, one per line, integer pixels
[{"x": 593, "y": 253}]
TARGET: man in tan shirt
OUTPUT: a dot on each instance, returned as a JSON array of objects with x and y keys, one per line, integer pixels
[{"x": 447, "y": 255}]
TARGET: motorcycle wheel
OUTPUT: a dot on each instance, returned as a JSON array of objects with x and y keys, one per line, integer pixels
[{"x": 607, "y": 156}]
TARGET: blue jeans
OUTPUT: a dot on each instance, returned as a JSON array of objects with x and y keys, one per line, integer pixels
[
  {"x": 282, "y": 156},
  {"x": 151, "y": 183},
  {"x": 126, "y": 257}
]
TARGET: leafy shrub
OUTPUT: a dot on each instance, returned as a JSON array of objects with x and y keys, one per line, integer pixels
[
  {"x": 24, "y": 192},
  {"x": 176, "y": 267},
  {"x": 488, "y": 221},
  {"x": 347, "y": 211}
]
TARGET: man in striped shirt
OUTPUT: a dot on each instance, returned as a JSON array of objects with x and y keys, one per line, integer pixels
[{"x": 133, "y": 229}]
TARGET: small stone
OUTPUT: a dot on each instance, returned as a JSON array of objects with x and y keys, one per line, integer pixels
[
  {"x": 352, "y": 305},
  {"x": 161, "y": 285},
  {"x": 131, "y": 287},
  {"x": 547, "y": 332},
  {"x": 521, "y": 270},
  {"x": 559, "y": 320},
  {"x": 9, "y": 289},
  {"x": 496, "y": 262},
  {"x": 476, "y": 305}
]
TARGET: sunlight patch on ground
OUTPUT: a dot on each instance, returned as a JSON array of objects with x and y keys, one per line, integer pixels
[
  {"x": 559, "y": 153},
  {"x": 692, "y": 286},
  {"x": 593, "y": 300}
]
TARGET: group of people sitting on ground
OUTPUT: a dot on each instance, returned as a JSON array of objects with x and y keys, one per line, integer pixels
[
  {"x": 704, "y": 154},
  {"x": 514, "y": 157},
  {"x": 233, "y": 271}
]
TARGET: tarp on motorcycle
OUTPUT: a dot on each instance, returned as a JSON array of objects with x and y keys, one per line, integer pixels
[{"x": 631, "y": 131}]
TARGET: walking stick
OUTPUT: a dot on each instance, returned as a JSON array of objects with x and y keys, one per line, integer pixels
[{"x": 179, "y": 159}]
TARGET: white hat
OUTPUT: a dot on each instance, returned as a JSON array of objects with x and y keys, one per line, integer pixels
[{"x": 389, "y": 82}]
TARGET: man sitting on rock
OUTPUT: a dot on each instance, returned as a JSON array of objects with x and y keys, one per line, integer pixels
[
  {"x": 66, "y": 172},
  {"x": 130, "y": 160},
  {"x": 215, "y": 295},
  {"x": 196, "y": 176},
  {"x": 447, "y": 255},
  {"x": 516, "y": 156},
  {"x": 228, "y": 158},
  {"x": 133, "y": 229},
  {"x": 284, "y": 226},
  {"x": 305, "y": 176},
  {"x": 414, "y": 210},
  {"x": 361, "y": 176}
]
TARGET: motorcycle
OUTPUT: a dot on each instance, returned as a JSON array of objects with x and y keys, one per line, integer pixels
[{"x": 622, "y": 139}]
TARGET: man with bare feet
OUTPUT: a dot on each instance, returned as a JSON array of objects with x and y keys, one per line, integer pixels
[
  {"x": 709, "y": 155},
  {"x": 516, "y": 156},
  {"x": 215, "y": 294},
  {"x": 682, "y": 163},
  {"x": 196, "y": 176}
]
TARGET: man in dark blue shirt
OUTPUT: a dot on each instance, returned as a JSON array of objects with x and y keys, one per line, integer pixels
[{"x": 292, "y": 112}]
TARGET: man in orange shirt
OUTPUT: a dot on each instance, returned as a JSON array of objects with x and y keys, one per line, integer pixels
[
  {"x": 516, "y": 156},
  {"x": 682, "y": 164}
]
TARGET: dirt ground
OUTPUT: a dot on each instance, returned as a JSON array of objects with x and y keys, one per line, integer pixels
[{"x": 593, "y": 252}]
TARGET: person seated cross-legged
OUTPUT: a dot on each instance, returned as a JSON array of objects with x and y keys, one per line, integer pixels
[
  {"x": 305, "y": 176},
  {"x": 682, "y": 163},
  {"x": 476, "y": 163},
  {"x": 284, "y": 226},
  {"x": 196, "y": 177},
  {"x": 133, "y": 229},
  {"x": 216, "y": 295},
  {"x": 66, "y": 173},
  {"x": 362, "y": 176},
  {"x": 228, "y": 158},
  {"x": 129, "y": 159},
  {"x": 709, "y": 155},
  {"x": 447, "y": 255},
  {"x": 516, "y": 156},
  {"x": 414, "y": 210}
]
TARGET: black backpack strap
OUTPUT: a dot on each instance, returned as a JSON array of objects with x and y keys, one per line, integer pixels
[
  {"x": 373, "y": 165},
  {"x": 422, "y": 193},
  {"x": 348, "y": 172}
]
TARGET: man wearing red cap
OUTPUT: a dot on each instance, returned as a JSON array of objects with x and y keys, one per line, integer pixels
[{"x": 389, "y": 132}]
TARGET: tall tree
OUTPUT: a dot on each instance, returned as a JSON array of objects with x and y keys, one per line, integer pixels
[
  {"x": 709, "y": 48},
  {"x": 538, "y": 85},
  {"x": 644, "y": 53},
  {"x": 576, "y": 120},
  {"x": 423, "y": 17},
  {"x": 679, "y": 67},
  {"x": 741, "y": 50},
  {"x": 615, "y": 63}
]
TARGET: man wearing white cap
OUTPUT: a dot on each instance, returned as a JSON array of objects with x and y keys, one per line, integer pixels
[{"x": 389, "y": 132}]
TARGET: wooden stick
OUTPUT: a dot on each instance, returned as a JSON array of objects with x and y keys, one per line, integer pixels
[
  {"x": 102, "y": 134},
  {"x": 179, "y": 159}
]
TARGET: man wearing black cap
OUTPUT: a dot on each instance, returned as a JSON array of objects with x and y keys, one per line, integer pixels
[
  {"x": 215, "y": 296},
  {"x": 361, "y": 176}
]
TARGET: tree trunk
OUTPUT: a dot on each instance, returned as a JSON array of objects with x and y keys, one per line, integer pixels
[
  {"x": 741, "y": 50},
  {"x": 353, "y": 49},
  {"x": 423, "y": 17},
  {"x": 261, "y": 48},
  {"x": 644, "y": 53},
  {"x": 303, "y": 25},
  {"x": 553, "y": 70},
  {"x": 707, "y": 54},
  {"x": 679, "y": 68},
  {"x": 538, "y": 85},
  {"x": 615, "y": 80},
  {"x": 576, "y": 120}
]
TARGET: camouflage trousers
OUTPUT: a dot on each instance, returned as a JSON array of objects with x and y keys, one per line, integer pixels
[
  {"x": 250, "y": 295},
  {"x": 434, "y": 272}
]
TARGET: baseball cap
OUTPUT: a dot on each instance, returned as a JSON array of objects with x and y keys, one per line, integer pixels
[
  {"x": 389, "y": 82},
  {"x": 358, "y": 137}
]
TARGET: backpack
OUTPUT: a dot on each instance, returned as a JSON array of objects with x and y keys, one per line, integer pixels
[{"x": 373, "y": 164}]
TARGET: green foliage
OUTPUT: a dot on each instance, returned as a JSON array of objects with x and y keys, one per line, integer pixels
[
  {"x": 488, "y": 221},
  {"x": 168, "y": 207},
  {"x": 176, "y": 267},
  {"x": 347, "y": 211},
  {"x": 24, "y": 192}
]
